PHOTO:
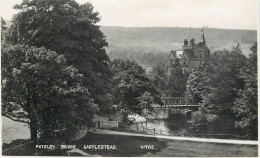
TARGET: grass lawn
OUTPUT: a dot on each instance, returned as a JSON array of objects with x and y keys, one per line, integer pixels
[
  {"x": 12, "y": 130},
  {"x": 131, "y": 146},
  {"x": 128, "y": 146}
]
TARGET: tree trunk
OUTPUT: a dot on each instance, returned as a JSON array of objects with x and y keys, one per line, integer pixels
[{"x": 33, "y": 129}]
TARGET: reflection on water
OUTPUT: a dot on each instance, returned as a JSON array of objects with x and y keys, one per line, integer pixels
[
  {"x": 168, "y": 121},
  {"x": 172, "y": 123}
]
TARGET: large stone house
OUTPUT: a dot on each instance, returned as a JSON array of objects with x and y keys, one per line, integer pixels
[{"x": 191, "y": 55}]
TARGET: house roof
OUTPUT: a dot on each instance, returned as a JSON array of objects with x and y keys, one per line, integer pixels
[
  {"x": 189, "y": 53},
  {"x": 172, "y": 54}
]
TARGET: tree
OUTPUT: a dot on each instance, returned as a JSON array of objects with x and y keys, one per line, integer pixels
[
  {"x": 69, "y": 29},
  {"x": 223, "y": 72},
  {"x": 39, "y": 89},
  {"x": 216, "y": 83},
  {"x": 159, "y": 77},
  {"x": 145, "y": 101},
  {"x": 177, "y": 81},
  {"x": 226, "y": 85},
  {"x": 198, "y": 85},
  {"x": 246, "y": 104},
  {"x": 173, "y": 85},
  {"x": 130, "y": 82},
  {"x": 198, "y": 121}
]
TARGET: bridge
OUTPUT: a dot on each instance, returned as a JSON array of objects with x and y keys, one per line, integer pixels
[{"x": 178, "y": 104}]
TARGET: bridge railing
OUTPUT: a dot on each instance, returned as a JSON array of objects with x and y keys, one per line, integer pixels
[{"x": 178, "y": 101}]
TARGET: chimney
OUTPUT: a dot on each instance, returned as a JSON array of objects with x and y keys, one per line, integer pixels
[
  {"x": 192, "y": 41},
  {"x": 186, "y": 42}
]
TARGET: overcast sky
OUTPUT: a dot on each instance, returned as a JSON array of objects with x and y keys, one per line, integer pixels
[{"x": 233, "y": 14}]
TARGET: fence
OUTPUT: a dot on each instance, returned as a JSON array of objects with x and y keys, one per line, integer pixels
[
  {"x": 106, "y": 124},
  {"x": 146, "y": 129},
  {"x": 150, "y": 130}
]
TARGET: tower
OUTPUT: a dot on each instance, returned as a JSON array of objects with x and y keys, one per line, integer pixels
[{"x": 202, "y": 38}]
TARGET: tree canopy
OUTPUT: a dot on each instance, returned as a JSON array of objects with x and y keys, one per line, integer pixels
[
  {"x": 159, "y": 77},
  {"x": 177, "y": 81},
  {"x": 226, "y": 85},
  {"x": 173, "y": 85},
  {"x": 216, "y": 83},
  {"x": 38, "y": 88},
  {"x": 130, "y": 82},
  {"x": 246, "y": 104},
  {"x": 69, "y": 29}
]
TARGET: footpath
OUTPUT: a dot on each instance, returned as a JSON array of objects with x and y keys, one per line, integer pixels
[{"x": 209, "y": 140}]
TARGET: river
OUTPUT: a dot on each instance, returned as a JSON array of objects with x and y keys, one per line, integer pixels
[{"x": 178, "y": 124}]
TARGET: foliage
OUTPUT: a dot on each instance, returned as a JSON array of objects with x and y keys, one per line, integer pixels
[
  {"x": 246, "y": 105},
  {"x": 226, "y": 85},
  {"x": 198, "y": 84},
  {"x": 159, "y": 77},
  {"x": 130, "y": 82},
  {"x": 216, "y": 84},
  {"x": 145, "y": 101},
  {"x": 69, "y": 29},
  {"x": 39, "y": 87},
  {"x": 173, "y": 85},
  {"x": 177, "y": 81},
  {"x": 198, "y": 121},
  {"x": 142, "y": 55}
]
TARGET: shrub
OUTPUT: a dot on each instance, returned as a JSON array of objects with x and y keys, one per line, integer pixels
[{"x": 198, "y": 121}]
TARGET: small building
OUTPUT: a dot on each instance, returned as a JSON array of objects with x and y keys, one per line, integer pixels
[{"x": 192, "y": 55}]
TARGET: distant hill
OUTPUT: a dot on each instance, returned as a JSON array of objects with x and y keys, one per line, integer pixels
[
  {"x": 164, "y": 39},
  {"x": 151, "y": 45}
]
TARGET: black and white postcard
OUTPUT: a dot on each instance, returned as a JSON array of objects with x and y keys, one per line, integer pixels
[{"x": 129, "y": 78}]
